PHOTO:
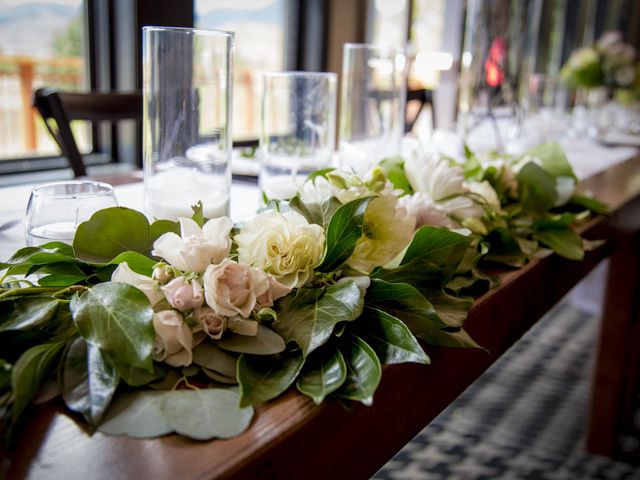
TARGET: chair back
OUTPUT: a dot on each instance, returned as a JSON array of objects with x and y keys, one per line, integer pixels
[
  {"x": 418, "y": 98},
  {"x": 59, "y": 109}
]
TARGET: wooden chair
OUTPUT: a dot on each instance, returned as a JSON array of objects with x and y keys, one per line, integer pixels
[
  {"x": 58, "y": 109},
  {"x": 419, "y": 98}
]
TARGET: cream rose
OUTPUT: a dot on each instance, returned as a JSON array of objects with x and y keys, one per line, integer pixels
[
  {"x": 148, "y": 286},
  {"x": 196, "y": 247},
  {"x": 232, "y": 288},
  {"x": 184, "y": 295},
  {"x": 210, "y": 322},
  {"x": 284, "y": 245},
  {"x": 174, "y": 341}
]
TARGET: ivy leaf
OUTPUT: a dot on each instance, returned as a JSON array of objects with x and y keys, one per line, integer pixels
[
  {"x": 394, "y": 168},
  {"x": 30, "y": 371},
  {"x": 138, "y": 414},
  {"x": 309, "y": 317},
  {"x": 88, "y": 381},
  {"x": 28, "y": 313},
  {"x": 363, "y": 371},
  {"x": 263, "y": 378},
  {"x": 110, "y": 232},
  {"x": 209, "y": 356},
  {"x": 116, "y": 318},
  {"x": 323, "y": 373},
  {"x": 563, "y": 241},
  {"x": 206, "y": 414},
  {"x": 439, "y": 246},
  {"x": 265, "y": 342},
  {"x": 391, "y": 339},
  {"x": 137, "y": 262},
  {"x": 418, "y": 272},
  {"x": 344, "y": 230}
]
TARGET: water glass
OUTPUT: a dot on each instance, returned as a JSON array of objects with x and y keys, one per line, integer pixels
[
  {"x": 297, "y": 134},
  {"x": 186, "y": 120},
  {"x": 373, "y": 97},
  {"x": 56, "y": 209}
]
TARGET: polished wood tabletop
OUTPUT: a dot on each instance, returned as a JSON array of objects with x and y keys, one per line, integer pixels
[{"x": 293, "y": 438}]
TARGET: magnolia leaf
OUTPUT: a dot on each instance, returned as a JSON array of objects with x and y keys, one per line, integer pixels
[
  {"x": 309, "y": 317},
  {"x": 394, "y": 168},
  {"x": 554, "y": 159},
  {"x": 110, "y": 232},
  {"x": 61, "y": 280},
  {"x": 537, "y": 189},
  {"x": 160, "y": 227},
  {"x": 265, "y": 342},
  {"x": 394, "y": 298},
  {"x": 451, "y": 310},
  {"x": 210, "y": 357},
  {"x": 422, "y": 274},
  {"x": 218, "y": 377},
  {"x": 28, "y": 313},
  {"x": 391, "y": 339},
  {"x": 88, "y": 381},
  {"x": 29, "y": 373},
  {"x": 138, "y": 414},
  {"x": 116, "y": 318},
  {"x": 439, "y": 246},
  {"x": 137, "y": 377},
  {"x": 323, "y": 373},
  {"x": 563, "y": 241},
  {"x": 344, "y": 230},
  {"x": 136, "y": 262},
  {"x": 263, "y": 378},
  {"x": 363, "y": 371}
]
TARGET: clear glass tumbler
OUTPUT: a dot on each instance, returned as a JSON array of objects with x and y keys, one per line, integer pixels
[
  {"x": 56, "y": 209},
  {"x": 373, "y": 97},
  {"x": 187, "y": 79},
  {"x": 297, "y": 134}
]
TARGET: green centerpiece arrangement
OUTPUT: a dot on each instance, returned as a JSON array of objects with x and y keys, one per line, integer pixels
[{"x": 146, "y": 329}]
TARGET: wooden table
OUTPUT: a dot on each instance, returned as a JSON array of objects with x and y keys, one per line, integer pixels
[{"x": 293, "y": 438}]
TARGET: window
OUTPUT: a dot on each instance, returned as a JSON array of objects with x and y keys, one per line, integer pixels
[
  {"x": 42, "y": 43},
  {"x": 260, "y": 28}
]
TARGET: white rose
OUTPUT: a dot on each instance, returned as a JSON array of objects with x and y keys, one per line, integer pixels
[
  {"x": 174, "y": 341},
  {"x": 183, "y": 295},
  {"x": 197, "y": 247},
  {"x": 210, "y": 322},
  {"x": 148, "y": 286},
  {"x": 284, "y": 245},
  {"x": 232, "y": 288}
]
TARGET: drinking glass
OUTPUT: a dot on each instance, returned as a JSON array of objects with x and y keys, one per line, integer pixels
[
  {"x": 187, "y": 120},
  {"x": 297, "y": 133},
  {"x": 373, "y": 97},
  {"x": 56, "y": 209}
]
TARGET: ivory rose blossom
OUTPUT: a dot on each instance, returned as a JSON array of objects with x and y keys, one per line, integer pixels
[
  {"x": 284, "y": 245},
  {"x": 210, "y": 322},
  {"x": 232, "y": 288},
  {"x": 174, "y": 341},
  {"x": 196, "y": 247},
  {"x": 146, "y": 285},
  {"x": 184, "y": 295}
]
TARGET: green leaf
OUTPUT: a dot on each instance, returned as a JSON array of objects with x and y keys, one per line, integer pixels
[
  {"x": 309, "y": 317},
  {"x": 263, "y": 378},
  {"x": 400, "y": 299},
  {"x": 61, "y": 280},
  {"x": 394, "y": 168},
  {"x": 88, "y": 381},
  {"x": 418, "y": 272},
  {"x": 137, "y": 377},
  {"x": 319, "y": 214},
  {"x": 29, "y": 373},
  {"x": 391, "y": 339},
  {"x": 209, "y": 356},
  {"x": 137, "y": 262},
  {"x": 363, "y": 371},
  {"x": 563, "y": 241},
  {"x": 451, "y": 310},
  {"x": 206, "y": 414},
  {"x": 137, "y": 414},
  {"x": 323, "y": 373},
  {"x": 28, "y": 313},
  {"x": 5, "y": 376},
  {"x": 198, "y": 214},
  {"x": 117, "y": 318},
  {"x": 537, "y": 188},
  {"x": 589, "y": 202},
  {"x": 344, "y": 230},
  {"x": 220, "y": 378},
  {"x": 320, "y": 173},
  {"x": 439, "y": 246},
  {"x": 553, "y": 158},
  {"x": 110, "y": 232},
  {"x": 160, "y": 227},
  {"x": 504, "y": 248},
  {"x": 265, "y": 342}
]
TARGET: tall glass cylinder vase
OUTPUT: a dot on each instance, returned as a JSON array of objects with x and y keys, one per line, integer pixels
[
  {"x": 186, "y": 121},
  {"x": 498, "y": 58},
  {"x": 373, "y": 97}
]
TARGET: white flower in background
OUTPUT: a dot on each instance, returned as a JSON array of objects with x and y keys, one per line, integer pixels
[
  {"x": 430, "y": 173},
  {"x": 426, "y": 211},
  {"x": 317, "y": 190},
  {"x": 486, "y": 192},
  {"x": 184, "y": 295},
  {"x": 583, "y": 58},
  {"x": 148, "y": 286},
  {"x": 196, "y": 247},
  {"x": 387, "y": 228},
  {"x": 625, "y": 76},
  {"x": 210, "y": 322},
  {"x": 232, "y": 288},
  {"x": 284, "y": 245},
  {"x": 609, "y": 39},
  {"x": 174, "y": 341}
]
